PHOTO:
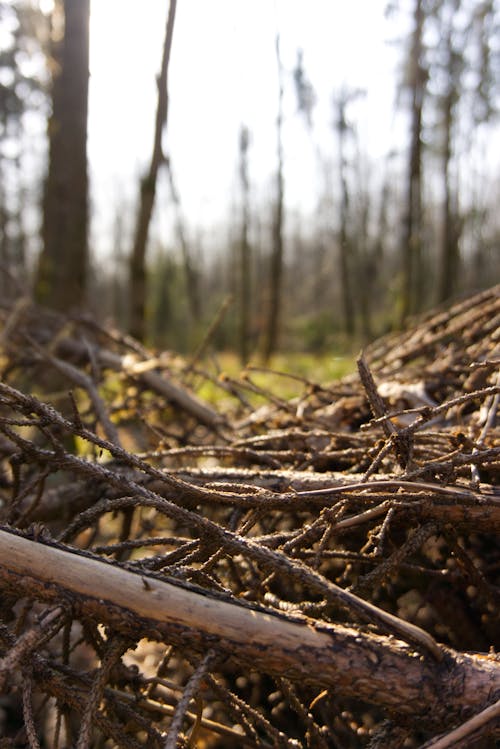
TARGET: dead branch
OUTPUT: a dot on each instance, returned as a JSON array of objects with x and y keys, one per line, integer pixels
[{"x": 379, "y": 670}]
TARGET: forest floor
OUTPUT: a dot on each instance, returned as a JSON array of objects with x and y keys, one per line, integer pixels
[{"x": 287, "y": 372}]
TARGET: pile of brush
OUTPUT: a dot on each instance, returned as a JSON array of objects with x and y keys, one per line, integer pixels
[{"x": 317, "y": 572}]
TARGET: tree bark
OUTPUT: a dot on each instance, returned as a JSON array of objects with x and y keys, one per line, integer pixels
[
  {"x": 412, "y": 228},
  {"x": 137, "y": 266},
  {"x": 190, "y": 273},
  {"x": 276, "y": 269},
  {"x": 244, "y": 264},
  {"x": 450, "y": 254},
  {"x": 344, "y": 243},
  {"x": 380, "y": 670},
  {"x": 62, "y": 269},
  {"x": 144, "y": 373},
  {"x": 347, "y": 260}
]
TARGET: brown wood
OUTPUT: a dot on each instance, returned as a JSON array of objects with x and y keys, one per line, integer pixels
[
  {"x": 137, "y": 268},
  {"x": 62, "y": 270},
  {"x": 381, "y": 670}
]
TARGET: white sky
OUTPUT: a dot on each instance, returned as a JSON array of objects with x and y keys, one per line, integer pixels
[{"x": 223, "y": 73}]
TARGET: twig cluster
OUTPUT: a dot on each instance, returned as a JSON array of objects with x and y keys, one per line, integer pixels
[{"x": 315, "y": 572}]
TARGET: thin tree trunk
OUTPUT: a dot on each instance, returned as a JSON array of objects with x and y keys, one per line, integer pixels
[
  {"x": 276, "y": 269},
  {"x": 119, "y": 302},
  {"x": 344, "y": 244},
  {"x": 449, "y": 249},
  {"x": 245, "y": 264},
  {"x": 450, "y": 228},
  {"x": 4, "y": 240},
  {"x": 187, "y": 259},
  {"x": 377, "y": 257},
  {"x": 62, "y": 269},
  {"x": 367, "y": 270},
  {"x": 137, "y": 267},
  {"x": 412, "y": 228}
]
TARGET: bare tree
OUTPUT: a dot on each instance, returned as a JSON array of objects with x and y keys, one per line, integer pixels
[
  {"x": 23, "y": 87},
  {"x": 62, "y": 269},
  {"x": 276, "y": 265},
  {"x": 346, "y": 248},
  {"x": 464, "y": 61},
  {"x": 450, "y": 233},
  {"x": 191, "y": 276},
  {"x": 244, "y": 247},
  {"x": 450, "y": 78},
  {"x": 304, "y": 91},
  {"x": 415, "y": 83},
  {"x": 137, "y": 267},
  {"x": 367, "y": 269}
]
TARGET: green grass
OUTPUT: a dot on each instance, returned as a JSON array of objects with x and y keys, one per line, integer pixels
[{"x": 308, "y": 368}]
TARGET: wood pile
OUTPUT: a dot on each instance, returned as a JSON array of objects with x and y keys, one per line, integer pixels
[{"x": 316, "y": 572}]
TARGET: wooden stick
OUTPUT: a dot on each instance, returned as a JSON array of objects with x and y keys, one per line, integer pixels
[
  {"x": 380, "y": 670},
  {"x": 463, "y": 732}
]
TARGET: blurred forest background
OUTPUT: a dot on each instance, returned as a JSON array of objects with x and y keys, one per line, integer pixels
[{"x": 387, "y": 238}]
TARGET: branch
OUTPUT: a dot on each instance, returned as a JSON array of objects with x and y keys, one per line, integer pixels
[
  {"x": 159, "y": 384},
  {"x": 379, "y": 670}
]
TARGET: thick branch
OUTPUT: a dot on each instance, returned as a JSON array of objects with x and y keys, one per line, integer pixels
[
  {"x": 159, "y": 384},
  {"x": 380, "y": 670},
  {"x": 142, "y": 372}
]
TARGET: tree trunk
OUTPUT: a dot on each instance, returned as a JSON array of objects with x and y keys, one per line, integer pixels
[
  {"x": 244, "y": 264},
  {"x": 367, "y": 270},
  {"x": 62, "y": 269},
  {"x": 450, "y": 226},
  {"x": 137, "y": 266},
  {"x": 190, "y": 274},
  {"x": 344, "y": 243},
  {"x": 449, "y": 236},
  {"x": 412, "y": 228},
  {"x": 4, "y": 240},
  {"x": 276, "y": 269}
]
